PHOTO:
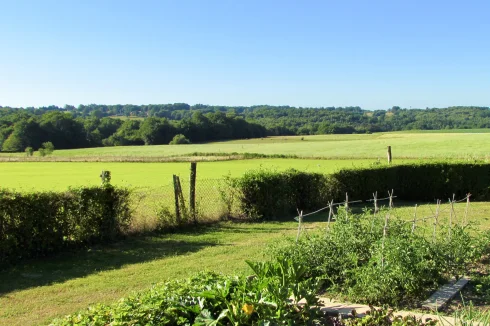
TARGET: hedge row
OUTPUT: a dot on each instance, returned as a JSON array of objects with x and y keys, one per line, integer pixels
[
  {"x": 35, "y": 224},
  {"x": 269, "y": 194}
]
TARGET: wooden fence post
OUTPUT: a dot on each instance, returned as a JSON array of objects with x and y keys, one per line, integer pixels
[
  {"x": 176, "y": 193},
  {"x": 389, "y": 154},
  {"x": 183, "y": 212},
  {"x": 105, "y": 177},
  {"x": 192, "y": 190}
]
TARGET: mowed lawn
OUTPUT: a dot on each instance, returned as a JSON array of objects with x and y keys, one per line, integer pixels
[
  {"x": 454, "y": 144},
  {"x": 60, "y": 175},
  {"x": 35, "y": 292}
]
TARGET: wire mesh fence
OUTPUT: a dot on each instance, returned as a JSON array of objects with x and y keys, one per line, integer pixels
[{"x": 155, "y": 206}]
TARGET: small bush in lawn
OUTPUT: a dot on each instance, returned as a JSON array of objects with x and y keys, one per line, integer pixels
[
  {"x": 29, "y": 151},
  {"x": 48, "y": 147},
  {"x": 179, "y": 140}
]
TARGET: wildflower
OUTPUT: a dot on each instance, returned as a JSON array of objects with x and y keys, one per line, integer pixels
[{"x": 248, "y": 308}]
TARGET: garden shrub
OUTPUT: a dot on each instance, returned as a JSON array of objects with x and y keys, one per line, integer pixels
[{"x": 35, "y": 224}]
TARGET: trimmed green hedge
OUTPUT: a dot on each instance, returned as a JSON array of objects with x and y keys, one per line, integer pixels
[
  {"x": 267, "y": 194},
  {"x": 423, "y": 181},
  {"x": 36, "y": 224}
]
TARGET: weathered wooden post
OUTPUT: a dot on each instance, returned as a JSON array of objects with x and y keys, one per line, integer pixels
[
  {"x": 192, "y": 190},
  {"x": 389, "y": 154},
  {"x": 176, "y": 193},
  {"x": 105, "y": 177}
]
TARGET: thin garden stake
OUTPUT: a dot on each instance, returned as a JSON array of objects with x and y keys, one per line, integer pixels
[
  {"x": 465, "y": 220},
  {"x": 375, "y": 197},
  {"x": 383, "y": 243},
  {"x": 436, "y": 216},
  {"x": 299, "y": 225},
  {"x": 414, "y": 218},
  {"x": 346, "y": 205},
  {"x": 330, "y": 212},
  {"x": 451, "y": 216},
  {"x": 391, "y": 198}
]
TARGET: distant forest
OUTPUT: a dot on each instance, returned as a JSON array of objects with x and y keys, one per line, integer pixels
[{"x": 115, "y": 125}]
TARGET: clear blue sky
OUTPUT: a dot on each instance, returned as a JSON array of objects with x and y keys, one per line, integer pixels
[{"x": 374, "y": 54}]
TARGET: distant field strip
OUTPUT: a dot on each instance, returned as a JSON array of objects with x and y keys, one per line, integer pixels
[
  {"x": 26, "y": 176},
  {"x": 404, "y": 145}
]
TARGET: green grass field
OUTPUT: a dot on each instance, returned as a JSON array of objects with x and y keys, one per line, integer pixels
[
  {"x": 460, "y": 144},
  {"x": 61, "y": 175}
]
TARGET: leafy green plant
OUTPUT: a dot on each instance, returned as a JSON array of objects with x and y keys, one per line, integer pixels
[
  {"x": 48, "y": 147},
  {"x": 29, "y": 151},
  {"x": 179, "y": 139},
  {"x": 269, "y": 298}
]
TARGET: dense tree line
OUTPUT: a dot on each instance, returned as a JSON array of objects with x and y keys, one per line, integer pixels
[{"x": 106, "y": 125}]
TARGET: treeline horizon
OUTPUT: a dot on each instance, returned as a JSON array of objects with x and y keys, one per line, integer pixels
[{"x": 117, "y": 125}]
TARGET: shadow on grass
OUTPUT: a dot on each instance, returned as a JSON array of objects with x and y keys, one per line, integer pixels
[{"x": 70, "y": 265}]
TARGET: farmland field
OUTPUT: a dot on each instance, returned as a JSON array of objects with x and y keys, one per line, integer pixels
[
  {"x": 60, "y": 175},
  {"x": 439, "y": 145}
]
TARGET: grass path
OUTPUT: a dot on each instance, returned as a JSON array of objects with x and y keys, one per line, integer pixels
[{"x": 37, "y": 291}]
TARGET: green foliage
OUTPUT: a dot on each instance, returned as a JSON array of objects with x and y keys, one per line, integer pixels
[
  {"x": 29, "y": 151},
  {"x": 91, "y": 125},
  {"x": 268, "y": 298},
  {"x": 179, "y": 140},
  {"x": 48, "y": 147},
  {"x": 36, "y": 224},
  {"x": 421, "y": 181},
  {"x": 268, "y": 194},
  {"x": 42, "y": 152},
  {"x": 354, "y": 260}
]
